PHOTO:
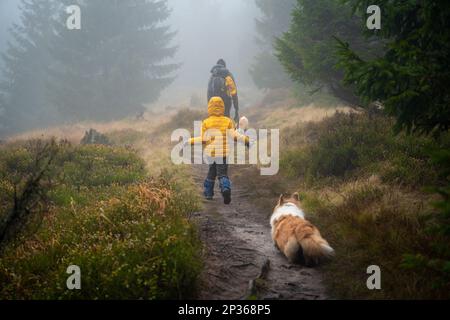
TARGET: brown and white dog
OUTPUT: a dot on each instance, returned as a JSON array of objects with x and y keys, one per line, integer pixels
[{"x": 297, "y": 238}]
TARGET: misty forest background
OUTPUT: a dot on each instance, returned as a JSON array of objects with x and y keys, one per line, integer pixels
[
  {"x": 131, "y": 55},
  {"x": 119, "y": 62}
]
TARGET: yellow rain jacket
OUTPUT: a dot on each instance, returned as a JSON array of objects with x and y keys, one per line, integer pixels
[
  {"x": 215, "y": 129},
  {"x": 231, "y": 86}
]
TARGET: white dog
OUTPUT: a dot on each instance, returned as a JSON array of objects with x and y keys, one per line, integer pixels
[{"x": 296, "y": 237}]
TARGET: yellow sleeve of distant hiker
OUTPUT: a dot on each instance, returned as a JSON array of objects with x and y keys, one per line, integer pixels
[{"x": 231, "y": 86}]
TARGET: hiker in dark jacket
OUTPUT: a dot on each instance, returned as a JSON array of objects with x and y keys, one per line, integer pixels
[{"x": 222, "y": 84}]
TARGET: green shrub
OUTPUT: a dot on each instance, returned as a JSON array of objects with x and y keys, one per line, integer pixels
[
  {"x": 25, "y": 175},
  {"x": 390, "y": 222},
  {"x": 96, "y": 165},
  {"x": 377, "y": 225},
  {"x": 347, "y": 145},
  {"x": 130, "y": 236},
  {"x": 436, "y": 261}
]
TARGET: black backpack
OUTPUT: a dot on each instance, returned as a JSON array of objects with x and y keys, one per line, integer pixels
[{"x": 217, "y": 86}]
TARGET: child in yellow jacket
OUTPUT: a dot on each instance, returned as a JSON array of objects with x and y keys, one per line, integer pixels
[{"x": 216, "y": 132}]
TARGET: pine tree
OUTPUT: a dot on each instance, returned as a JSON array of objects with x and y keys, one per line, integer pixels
[
  {"x": 267, "y": 72},
  {"x": 23, "y": 94},
  {"x": 114, "y": 65},
  {"x": 308, "y": 50},
  {"x": 411, "y": 78}
]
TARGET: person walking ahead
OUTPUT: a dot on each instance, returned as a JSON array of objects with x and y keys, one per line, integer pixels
[
  {"x": 217, "y": 131},
  {"x": 222, "y": 84}
]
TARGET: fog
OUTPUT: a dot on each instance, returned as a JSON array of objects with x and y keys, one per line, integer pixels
[
  {"x": 9, "y": 13},
  {"x": 210, "y": 29},
  {"x": 206, "y": 30}
]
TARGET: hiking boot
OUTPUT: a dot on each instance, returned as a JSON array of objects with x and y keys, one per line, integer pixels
[
  {"x": 209, "y": 189},
  {"x": 226, "y": 196},
  {"x": 225, "y": 188}
]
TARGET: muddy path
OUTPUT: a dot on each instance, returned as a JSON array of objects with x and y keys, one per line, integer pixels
[{"x": 237, "y": 244}]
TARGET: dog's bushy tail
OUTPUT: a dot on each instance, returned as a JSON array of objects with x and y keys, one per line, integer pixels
[{"x": 315, "y": 248}]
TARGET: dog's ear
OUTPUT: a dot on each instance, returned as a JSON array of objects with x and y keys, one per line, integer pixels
[
  {"x": 281, "y": 200},
  {"x": 296, "y": 196}
]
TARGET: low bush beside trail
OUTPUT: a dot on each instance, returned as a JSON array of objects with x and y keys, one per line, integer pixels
[
  {"x": 129, "y": 233},
  {"x": 380, "y": 198}
]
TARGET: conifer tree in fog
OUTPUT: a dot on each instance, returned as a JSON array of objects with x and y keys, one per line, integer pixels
[
  {"x": 115, "y": 64},
  {"x": 267, "y": 72},
  {"x": 23, "y": 95},
  {"x": 308, "y": 50},
  {"x": 411, "y": 77}
]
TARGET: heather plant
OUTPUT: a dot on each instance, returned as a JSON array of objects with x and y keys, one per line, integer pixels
[{"x": 130, "y": 234}]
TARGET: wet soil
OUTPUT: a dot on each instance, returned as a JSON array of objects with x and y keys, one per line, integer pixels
[{"x": 238, "y": 244}]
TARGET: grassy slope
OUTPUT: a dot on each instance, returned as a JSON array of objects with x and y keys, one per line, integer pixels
[
  {"x": 362, "y": 185},
  {"x": 366, "y": 189},
  {"x": 123, "y": 218}
]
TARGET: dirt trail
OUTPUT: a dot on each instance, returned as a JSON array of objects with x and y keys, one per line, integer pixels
[{"x": 238, "y": 243}]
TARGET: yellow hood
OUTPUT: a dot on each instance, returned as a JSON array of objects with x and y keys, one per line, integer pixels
[{"x": 216, "y": 107}]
